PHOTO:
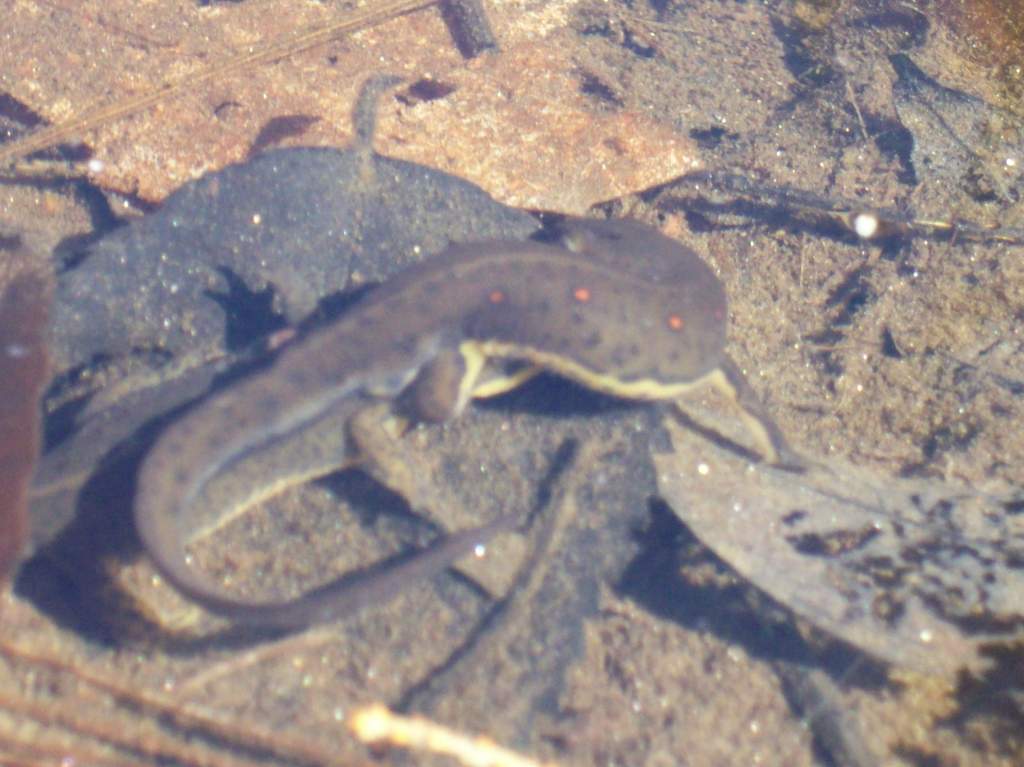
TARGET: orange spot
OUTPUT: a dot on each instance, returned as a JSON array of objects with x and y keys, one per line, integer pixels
[
  {"x": 675, "y": 322},
  {"x": 496, "y": 296},
  {"x": 581, "y": 294}
]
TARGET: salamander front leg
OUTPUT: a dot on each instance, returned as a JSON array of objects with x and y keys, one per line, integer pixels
[
  {"x": 447, "y": 383},
  {"x": 729, "y": 379},
  {"x": 494, "y": 383}
]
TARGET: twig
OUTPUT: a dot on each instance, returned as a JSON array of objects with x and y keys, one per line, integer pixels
[{"x": 376, "y": 724}]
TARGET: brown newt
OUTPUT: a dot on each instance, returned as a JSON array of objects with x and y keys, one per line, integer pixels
[{"x": 616, "y": 307}]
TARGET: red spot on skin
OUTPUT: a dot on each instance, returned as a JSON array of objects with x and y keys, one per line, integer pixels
[
  {"x": 496, "y": 296},
  {"x": 581, "y": 294},
  {"x": 675, "y": 322}
]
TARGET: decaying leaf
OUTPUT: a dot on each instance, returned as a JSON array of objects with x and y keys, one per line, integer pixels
[
  {"x": 23, "y": 371},
  {"x": 919, "y": 573}
]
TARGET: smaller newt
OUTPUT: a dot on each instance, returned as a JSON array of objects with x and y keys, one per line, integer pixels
[{"x": 616, "y": 306}]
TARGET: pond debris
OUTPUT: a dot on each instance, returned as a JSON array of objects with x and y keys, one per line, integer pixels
[
  {"x": 376, "y": 724},
  {"x": 705, "y": 191},
  {"x": 24, "y": 310},
  {"x": 466, "y": 17},
  {"x": 69, "y": 713},
  {"x": 469, "y": 26},
  {"x": 920, "y": 573},
  {"x": 959, "y": 140}
]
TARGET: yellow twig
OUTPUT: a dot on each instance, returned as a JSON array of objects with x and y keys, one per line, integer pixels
[{"x": 376, "y": 724}]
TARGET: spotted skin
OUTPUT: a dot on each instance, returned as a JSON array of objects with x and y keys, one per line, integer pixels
[{"x": 617, "y": 307}]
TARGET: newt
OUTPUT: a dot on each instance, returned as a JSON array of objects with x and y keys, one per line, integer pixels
[{"x": 615, "y": 306}]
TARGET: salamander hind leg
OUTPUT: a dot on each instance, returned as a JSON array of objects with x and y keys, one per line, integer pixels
[{"x": 376, "y": 435}]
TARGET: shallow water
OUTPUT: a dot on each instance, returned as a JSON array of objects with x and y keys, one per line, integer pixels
[{"x": 620, "y": 638}]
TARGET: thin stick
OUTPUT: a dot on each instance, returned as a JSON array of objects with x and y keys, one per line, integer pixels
[
  {"x": 376, "y": 724},
  {"x": 156, "y": 707}
]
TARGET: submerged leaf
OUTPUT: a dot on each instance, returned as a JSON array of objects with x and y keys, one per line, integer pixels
[{"x": 919, "y": 573}]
